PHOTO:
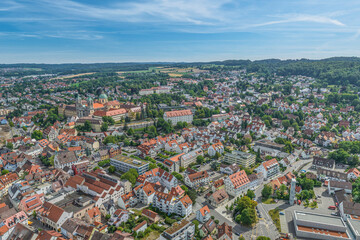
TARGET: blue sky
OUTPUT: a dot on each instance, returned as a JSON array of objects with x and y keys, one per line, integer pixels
[{"x": 58, "y": 31}]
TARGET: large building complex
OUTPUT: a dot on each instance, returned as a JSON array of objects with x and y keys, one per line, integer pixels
[
  {"x": 183, "y": 230},
  {"x": 179, "y": 116},
  {"x": 124, "y": 164},
  {"x": 240, "y": 158},
  {"x": 318, "y": 226}
]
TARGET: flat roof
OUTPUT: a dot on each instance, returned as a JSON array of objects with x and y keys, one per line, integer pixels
[
  {"x": 128, "y": 160},
  {"x": 323, "y": 232},
  {"x": 355, "y": 224},
  {"x": 318, "y": 218}
]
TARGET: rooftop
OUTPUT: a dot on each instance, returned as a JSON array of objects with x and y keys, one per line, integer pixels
[
  {"x": 312, "y": 217},
  {"x": 129, "y": 160}
]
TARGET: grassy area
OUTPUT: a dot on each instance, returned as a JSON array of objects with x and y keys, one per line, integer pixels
[
  {"x": 153, "y": 235},
  {"x": 275, "y": 216},
  {"x": 268, "y": 201}
]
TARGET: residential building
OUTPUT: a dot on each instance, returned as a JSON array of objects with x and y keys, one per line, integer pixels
[
  {"x": 93, "y": 215},
  {"x": 124, "y": 164},
  {"x": 224, "y": 232},
  {"x": 179, "y": 116},
  {"x": 197, "y": 179},
  {"x": 65, "y": 159},
  {"x": 353, "y": 174},
  {"x": 183, "y": 230},
  {"x": 218, "y": 198},
  {"x": 52, "y": 216},
  {"x": 334, "y": 185},
  {"x": 151, "y": 215},
  {"x": 240, "y": 158},
  {"x": 269, "y": 168},
  {"x": 215, "y": 148},
  {"x": 203, "y": 214},
  {"x": 323, "y": 163},
  {"x": 237, "y": 183}
]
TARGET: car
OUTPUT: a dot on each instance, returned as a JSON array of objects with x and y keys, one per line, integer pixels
[
  {"x": 303, "y": 171},
  {"x": 282, "y": 213},
  {"x": 334, "y": 214},
  {"x": 237, "y": 234}
]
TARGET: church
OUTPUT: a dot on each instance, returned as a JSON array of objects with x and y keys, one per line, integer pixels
[{"x": 86, "y": 108}]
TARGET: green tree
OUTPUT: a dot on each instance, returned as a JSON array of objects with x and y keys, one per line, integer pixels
[
  {"x": 263, "y": 238},
  {"x": 200, "y": 159},
  {"x": 10, "y": 146},
  {"x": 267, "y": 191},
  {"x": 248, "y": 216},
  {"x": 3, "y": 172},
  {"x": 112, "y": 169},
  {"x": 37, "y": 135},
  {"x": 104, "y": 127},
  {"x": 250, "y": 194}
]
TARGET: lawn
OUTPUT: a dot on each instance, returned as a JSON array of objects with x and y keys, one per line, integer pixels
[
  {"x": 275, "y": 216},
  {"x": 153, "y": 235},
  {"x": 268, "y": 201}
]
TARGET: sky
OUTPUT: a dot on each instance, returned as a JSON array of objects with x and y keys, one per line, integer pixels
[{"x": 87, "y": 31}]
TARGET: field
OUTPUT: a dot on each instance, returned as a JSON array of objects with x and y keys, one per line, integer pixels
[
  {"x": 275, "y": 216},
  {"x": 74, "y": 75}
]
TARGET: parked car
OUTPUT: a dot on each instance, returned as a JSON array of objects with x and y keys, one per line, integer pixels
[
  {"x": 282, "y": 213},
  {"x": 334, "y": 214}
]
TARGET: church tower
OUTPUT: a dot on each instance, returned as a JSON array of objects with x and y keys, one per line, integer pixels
[
  {"x": 292, "y": 191},
  {"x": 90, "y": 106}
]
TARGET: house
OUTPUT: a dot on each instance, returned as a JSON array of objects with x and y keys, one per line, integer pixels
[
  {"x": 151, "y": 215},
  {"x": 93, "y": 215},
  {"x": 353, "y": 173},
  {"x": 178, "y": 116},
  {"x": 229, "y": 169},
  {"x": 215, "y": 148},
  {"x": 323, "y": 163},
  {"x": 218, "y": 198},
  {"x": 326, "y": 174},
  {"x": 50, "y": 133},
  {"x": 140, "y": 227},
  {"x": 197, "y": 179},
  {"x": 224, "y": 232},
  {"x": 65, "y": 159},
  {"x": 269, "y": 168},
  {"x": 339, "y": 185},
  {"x": 349, "y": 210},
  {"x": 217, "y": 185},
  {"x": 203, "y": 214},
  {"x": 237, "y": 183},
  {"x": 184, "y": 230},
  {"x": 21, "y": 231},
  {"x": 52, "y": 216},
  {"x": 209, "y": 227},
  {"x": 119, "y": 217}
]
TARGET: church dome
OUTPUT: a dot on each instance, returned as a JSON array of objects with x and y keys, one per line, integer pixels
[{"x": 103, "y": 96}]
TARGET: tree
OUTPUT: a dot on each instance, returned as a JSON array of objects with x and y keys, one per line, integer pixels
[
  {"x": 248, "y": 216},
  {"x": 263, "y": 238},
  {"x": 37, "y": 135},
  {"x": 267, "y": 191},
  {"x": 3, "y": 172},
  {"x": 87, "y": 126},
  {"x": 112, "y": 169},
  {"x": 200, "y": 159},
  {"x": 104, "y": 127},
  {"x": 245, "y": 202},
  {"x": 250, "y": 194},
  {"x": 217, "y": 155},
  {"x": 10, "y": 146}
]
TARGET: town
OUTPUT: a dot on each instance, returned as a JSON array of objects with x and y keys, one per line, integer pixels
[{"x": 175, "y": 152}]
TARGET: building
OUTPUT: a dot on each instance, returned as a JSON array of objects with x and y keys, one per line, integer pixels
[
  {"x": 318, "y": 226},
  {"x": 151, "y": 215},
  {"x": 178, "y": 116},
  {"x": 203, "y": 214},
  {"x": 215, "y": 148},
  {"x": 229, "y": 169},
  {"x": 183, "y": 230},
  {"x": 268, "y": 147},
  {"x": 116, "y": 114},
  {"x": 349, "y": 210},
  {"x": 292, "y": 191},
  {"x": 269, "y": 168},
  {"x": 65, "y": 159},
  {"x": 224, "y": 232},
  {"x": 153, "y": 90},
  {"x": 334, "y": 186},
  {"x": 169, "y": 203},
  {"x": 326, "y": 174},
  {"x": 218, "y": 198},
  {"x": 323, "y": 163},
  {"x": 159, "y": 175},
  {"x": 353, "y": 173},
  {"x": 93, "y": 215},
  {"x": 197, "y": 179},
  {"x": 237, "y": 183},
  {"x": 240, "y": 158},
  {"x": 52, "y": 216},
  {"x": 124, "y": 164},
  {"x": 140, "y": 227}
]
